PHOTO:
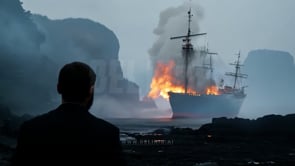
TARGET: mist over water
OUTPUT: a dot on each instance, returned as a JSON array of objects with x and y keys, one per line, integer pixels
[
  {"x": 137, "y": 125},
  {"x": 33, "y": 48}
]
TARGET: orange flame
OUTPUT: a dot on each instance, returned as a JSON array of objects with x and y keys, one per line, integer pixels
[
  {"x": 212, "y": 90},
  {"x": 164, "y": 82}
]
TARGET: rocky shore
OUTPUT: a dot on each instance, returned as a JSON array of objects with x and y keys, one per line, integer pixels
[{"x": 267, "y": 141}]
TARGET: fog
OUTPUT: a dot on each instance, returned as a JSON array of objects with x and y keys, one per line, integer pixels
[
  {"x": 231, "y": 26},
  {"x": 134, "y": 35},
  {"x": 34, "y": 48},
  {"x": 270, "y": 84}
]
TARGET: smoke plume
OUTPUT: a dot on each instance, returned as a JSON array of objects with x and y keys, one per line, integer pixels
[{"x": 174, "y": 22}]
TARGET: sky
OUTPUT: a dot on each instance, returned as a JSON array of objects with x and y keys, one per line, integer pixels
[{"x": 231, "y": 26}]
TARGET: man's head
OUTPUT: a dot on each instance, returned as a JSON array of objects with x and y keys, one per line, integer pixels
[{"x": 76, "y": 83}]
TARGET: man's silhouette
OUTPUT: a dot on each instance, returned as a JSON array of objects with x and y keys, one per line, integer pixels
[{"x": 70, "y": 135}]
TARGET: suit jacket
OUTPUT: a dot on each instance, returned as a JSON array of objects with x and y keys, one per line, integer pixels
[{"x": 68, "y": 135}]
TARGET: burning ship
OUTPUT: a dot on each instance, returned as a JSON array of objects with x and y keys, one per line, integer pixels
[{"x": 187, "y": 100}]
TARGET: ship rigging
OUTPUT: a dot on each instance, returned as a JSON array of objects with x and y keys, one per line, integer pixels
[
  {"x": 187, "y": 48},
  {"x": 223, "y": 101}
]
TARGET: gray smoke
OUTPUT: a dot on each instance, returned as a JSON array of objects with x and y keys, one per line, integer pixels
[{"x": 174, "y": 22}]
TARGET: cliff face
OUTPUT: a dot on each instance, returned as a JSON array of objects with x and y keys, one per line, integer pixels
[
  {"x": 95, "y": 44},
  {"x": 33, "y": 48},
  {"x": 17, "y": 29},
  {"x": 271, "y": 83}
]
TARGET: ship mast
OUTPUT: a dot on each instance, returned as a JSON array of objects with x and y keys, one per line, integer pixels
[
  {"x": 187, "y": 47},
  {"x": 237, "y": 73},
  {"x": 207, "y": 52}
]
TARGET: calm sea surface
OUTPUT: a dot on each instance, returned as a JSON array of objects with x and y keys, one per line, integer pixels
[{"x": 148, "y": 125}]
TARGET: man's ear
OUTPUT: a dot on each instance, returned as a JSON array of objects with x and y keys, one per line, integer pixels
[{"x": 91, "y": 90}]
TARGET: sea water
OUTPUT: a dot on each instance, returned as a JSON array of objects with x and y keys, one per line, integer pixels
[{"x": 131, "y": 125}]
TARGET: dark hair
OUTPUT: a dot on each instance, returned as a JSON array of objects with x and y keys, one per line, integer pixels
[{"x": 74, "y": 81}]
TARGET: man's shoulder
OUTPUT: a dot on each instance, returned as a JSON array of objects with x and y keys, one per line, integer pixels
[{"x": 38, "y": 120}]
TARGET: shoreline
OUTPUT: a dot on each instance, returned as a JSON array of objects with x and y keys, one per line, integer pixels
[{"x": 264, "y": 141}]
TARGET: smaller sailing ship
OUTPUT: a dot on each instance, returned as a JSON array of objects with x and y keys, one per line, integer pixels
[{"x": 237, "y": 89}]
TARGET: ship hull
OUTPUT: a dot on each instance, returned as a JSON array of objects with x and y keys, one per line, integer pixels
[{"x": 205, "y": 106}]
